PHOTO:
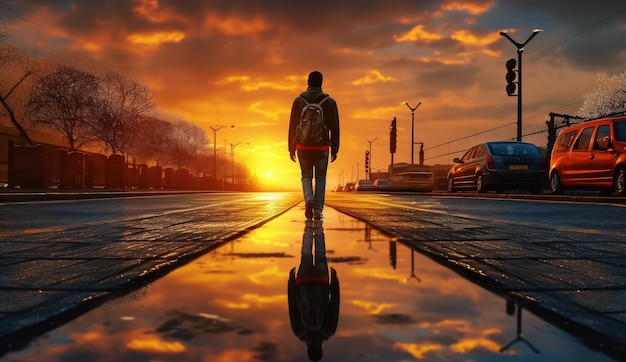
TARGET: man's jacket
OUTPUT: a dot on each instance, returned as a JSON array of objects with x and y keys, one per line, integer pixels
[{"x": 331, "y": 119}]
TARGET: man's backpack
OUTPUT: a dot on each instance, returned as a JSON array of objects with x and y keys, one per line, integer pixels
[{"x": 311, "y": 131}]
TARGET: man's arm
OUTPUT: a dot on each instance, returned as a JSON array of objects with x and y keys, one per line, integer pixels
[
  {"x": 293, "y": 123},
  {"x": 334, "y": 132}
]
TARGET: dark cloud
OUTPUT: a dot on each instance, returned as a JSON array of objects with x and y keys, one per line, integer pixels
[{"x": 187, "y": 52}]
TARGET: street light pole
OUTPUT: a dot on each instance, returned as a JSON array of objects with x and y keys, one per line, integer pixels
[
  {"x": 215, "y": 129},
  {"x": 370, "y": 155},
  {"x": 412, "y": 128},
  {"x": 232, "y": 162},
  {"x": 520, "y": 50}
]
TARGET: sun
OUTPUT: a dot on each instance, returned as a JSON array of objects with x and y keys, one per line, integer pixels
[{"x": 268, "y": 174}]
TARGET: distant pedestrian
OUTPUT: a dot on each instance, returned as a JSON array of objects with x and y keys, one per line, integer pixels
[{"x": 313, "y": 132}]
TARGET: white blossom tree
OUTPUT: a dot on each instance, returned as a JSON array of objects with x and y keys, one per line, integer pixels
[{"x": 609, "y": 98}]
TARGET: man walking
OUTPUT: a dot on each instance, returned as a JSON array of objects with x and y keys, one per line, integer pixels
[{"x": 313, "y": 132}]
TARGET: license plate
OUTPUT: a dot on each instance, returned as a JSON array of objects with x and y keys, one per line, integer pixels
[{"x": 518, "y": 167}]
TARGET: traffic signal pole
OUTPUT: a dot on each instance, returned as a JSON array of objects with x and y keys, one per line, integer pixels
[
  {"x": 368, "y": 159},
  {"x": 393, "y": 131},
  {"x": 511, "y": 87}
]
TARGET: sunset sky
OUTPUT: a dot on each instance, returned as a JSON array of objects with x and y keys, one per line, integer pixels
[{"x": 242, "y": 62}]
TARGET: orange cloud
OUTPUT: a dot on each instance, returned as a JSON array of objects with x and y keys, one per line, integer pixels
[
  {"x": 466, "y": 37},
  {"x": 418, "y": 33},
  {"x": 249, "y": 86},
  {"x": 375, "y": 113},
  {"x": 156, "y": 38},
  {"x": 373, "y": 76},
  {"x": 474, "y": 8},
  {"x": 235, "y": 25},
  {"x": 153, "y": 11}
]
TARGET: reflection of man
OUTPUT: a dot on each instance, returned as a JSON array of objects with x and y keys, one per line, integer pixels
[{"x": 313, "y": 298}]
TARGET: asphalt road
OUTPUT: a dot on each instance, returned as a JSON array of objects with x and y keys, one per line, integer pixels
[{"x": 564, "y": 260}]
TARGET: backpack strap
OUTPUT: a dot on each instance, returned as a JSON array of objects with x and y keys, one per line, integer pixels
[
  {"x": 304, "y": 99},
  {"x": 320, "y": 103}
]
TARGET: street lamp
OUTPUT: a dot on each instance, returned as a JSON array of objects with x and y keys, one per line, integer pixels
[
  {"x": 520, "y": 50},
  {"x": 215, "y": 129},
  {"x": 412, "y": 128},
  {"x": 232, "y": 161},
  {"x": 370, "y": 158}
]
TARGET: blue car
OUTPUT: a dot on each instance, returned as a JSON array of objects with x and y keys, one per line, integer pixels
[{"x": 499, "y": 166}]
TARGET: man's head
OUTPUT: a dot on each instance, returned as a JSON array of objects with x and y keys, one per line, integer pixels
[{"x": 315, "y": 79}]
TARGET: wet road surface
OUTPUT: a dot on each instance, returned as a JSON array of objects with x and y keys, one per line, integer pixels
[{"x": 232, "y": 304}]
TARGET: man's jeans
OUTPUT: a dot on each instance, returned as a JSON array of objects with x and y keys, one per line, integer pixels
[{"x": 314, "y": 164}]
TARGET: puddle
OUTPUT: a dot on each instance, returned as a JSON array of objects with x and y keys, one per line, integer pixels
[{"x": 232, "y": 305}]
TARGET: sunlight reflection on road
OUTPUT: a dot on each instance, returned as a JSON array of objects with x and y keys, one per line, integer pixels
[{"x": 232, "y": 305}]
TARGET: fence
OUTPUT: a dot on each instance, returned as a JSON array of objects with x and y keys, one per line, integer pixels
[{"x": 48, "y": 166}]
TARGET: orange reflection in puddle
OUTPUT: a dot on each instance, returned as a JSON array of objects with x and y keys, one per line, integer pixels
[{"x": 232, "y": 305}]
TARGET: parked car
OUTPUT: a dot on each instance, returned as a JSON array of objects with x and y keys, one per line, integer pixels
[
  {"x": 349, "y": 186},
  {"x": 410, "y": 177},
  {"x": 590, "y": 155},
  {"x": 382, "y": 184},
  {"x": 338, "y": 188},
  {"x": 499, "y": 166},
  {"x": 364, "y": 185}
]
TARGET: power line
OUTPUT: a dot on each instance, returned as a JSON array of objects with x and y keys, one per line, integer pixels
[
  {"x": 602, "y": 21},
  {"x": 470, "y": 136},
  {"x": 579, "y": 33}
]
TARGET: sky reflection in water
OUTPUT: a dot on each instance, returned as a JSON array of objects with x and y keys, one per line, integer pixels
[{"x": 232, "y": 305}]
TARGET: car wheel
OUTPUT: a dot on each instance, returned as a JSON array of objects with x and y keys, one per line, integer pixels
[
  {"x": 451, "y": 185},
  {"x": 620, "y": 182},
  {"x": 555, "y": 183},
  {"x": 480, "y": 187}
]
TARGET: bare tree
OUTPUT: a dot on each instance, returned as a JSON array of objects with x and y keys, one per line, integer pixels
[
  {"x": 15, "y": 71},
  {"x": 62, "y": 100},
  {"x": 187, "y": 142},
  {"x": 151, "y": 139},
  {"x": 609, "y": 98},
  {"x": 121, "y": 103}
]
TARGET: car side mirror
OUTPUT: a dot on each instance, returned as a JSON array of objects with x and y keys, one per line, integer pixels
[{"x": 457, "y": 160}]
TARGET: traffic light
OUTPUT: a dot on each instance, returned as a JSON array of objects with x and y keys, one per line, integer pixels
[
  {"x": 367, "y": 161},
  {"x": 510, "y": 76},
  {"x": 393, "y": 136}
]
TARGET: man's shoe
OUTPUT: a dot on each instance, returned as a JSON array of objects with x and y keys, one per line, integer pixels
[
  {"x": 308, "y": 212},
  {"x": 317, "y": 215}
]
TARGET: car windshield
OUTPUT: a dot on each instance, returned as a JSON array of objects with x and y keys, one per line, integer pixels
[
  {"x": 620, "y": 130},
  {"x": 513, "y": 149}
]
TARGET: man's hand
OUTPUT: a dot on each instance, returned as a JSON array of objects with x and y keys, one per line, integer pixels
[
  {"x": 333, "y": 157},
  {"x": 292, "y": 155}
]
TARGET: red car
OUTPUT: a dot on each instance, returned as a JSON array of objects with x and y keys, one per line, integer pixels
[{"x": 590, "y": 155}]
